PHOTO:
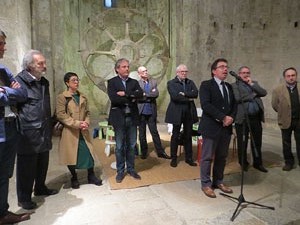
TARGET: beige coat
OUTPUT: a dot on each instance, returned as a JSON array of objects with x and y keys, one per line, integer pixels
[
  {"x": 281, "y": 103},
  {"x": 68, "y": 144}
]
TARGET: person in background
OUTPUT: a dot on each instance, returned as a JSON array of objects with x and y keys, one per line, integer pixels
[
  {"x": 123, "y": 93},
  {"x": 182, "y": 111},
  {"x": 148, "y": 114},
  {"x": 75, "y": 146},
  {"x": 248, "y": 95},
  {"x": 286, "y": 102},
  {"x": 36, "y": 130},
  {"x": 219, "y": 109},
  {"x": 10, "y": 94}
]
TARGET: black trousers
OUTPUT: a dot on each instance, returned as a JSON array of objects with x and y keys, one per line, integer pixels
[
  {"x": 256, "y": 132},
  {"x": 187, "y": 138},
  {"x": 286, "y": 135},
  {"x": 151, "y": 122},
  {"x": 31, "y": 171}
]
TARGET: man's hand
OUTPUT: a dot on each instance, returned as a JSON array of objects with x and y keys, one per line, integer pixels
[
  {"x": 121, "y": 93},
  {"x": 227, "y": 121},
  {"x": 15, "y": 85},
  {"x": 84, "y": 125}
]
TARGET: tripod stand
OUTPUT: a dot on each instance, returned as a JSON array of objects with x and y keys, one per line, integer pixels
[{"x": 241, "y": 199}]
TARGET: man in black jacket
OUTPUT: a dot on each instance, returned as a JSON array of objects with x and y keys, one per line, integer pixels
[
  {"x": 182, "y": 111},
  {"x": 219, "y": 109},
  {"x": 123, "y": 93},
  {"x": 36, "y": 129}
]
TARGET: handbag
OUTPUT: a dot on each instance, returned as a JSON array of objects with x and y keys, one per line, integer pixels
[{"x": 57, "y": 125}]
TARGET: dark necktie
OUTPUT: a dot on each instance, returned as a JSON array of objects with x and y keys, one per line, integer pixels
[{"x": 225, "y": 96}]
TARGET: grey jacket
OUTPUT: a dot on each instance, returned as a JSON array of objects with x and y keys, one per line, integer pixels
[{"x": 242, "y": 94}]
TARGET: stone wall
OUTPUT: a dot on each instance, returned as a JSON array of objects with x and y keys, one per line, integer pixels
[{"x": 84, "y": 37}]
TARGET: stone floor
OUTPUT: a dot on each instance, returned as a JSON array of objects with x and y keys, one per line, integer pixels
[{"x": 178, "y": 203}]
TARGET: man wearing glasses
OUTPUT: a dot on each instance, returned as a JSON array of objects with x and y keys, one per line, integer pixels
[
  {"x": 248, "y": 95},
  {"x": 182, "y": 111},
  {"x": 219, "y": 109},
  {"x": 148, "y": 114}
]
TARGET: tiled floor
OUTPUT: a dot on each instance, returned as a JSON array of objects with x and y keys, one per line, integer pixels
[{"x": 178, "y": 203}]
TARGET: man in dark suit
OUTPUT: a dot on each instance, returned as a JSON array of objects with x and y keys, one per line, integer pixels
[
  {"x": 248, "y": 95},
  {"x": 123, "y": 93},
  {"x": 219, "y": 109},
  {"x": 148, "y": 114},
  {"x": 182, "y": 111}
]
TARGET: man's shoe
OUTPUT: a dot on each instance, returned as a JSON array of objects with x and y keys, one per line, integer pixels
[
  {"x": 173, "y": 163},
  {"x": 75, "y": 183},
  {"x": 11, "y": 218},
  {"x": 287, "y": 167},
  {"x": 120, "y": 177},
  {"x": 245, "y": 167},
  {"x": 191, "y": 162},
  {"x": 209, "y": 192},
  {"x": 260, "y": 168},
  {"x": 224, "y": 188},
  {"x": 92, "y": 179},
  {"x": 144, "y": 156},
  {"x": 46, "y": 192},
  {"x": 27, "y": 205},
  {"x": 163, "y": 155},
  {"x": 135, "y": 175}
]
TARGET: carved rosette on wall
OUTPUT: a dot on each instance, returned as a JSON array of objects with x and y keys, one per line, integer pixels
[{"x": 123, "y": 33}]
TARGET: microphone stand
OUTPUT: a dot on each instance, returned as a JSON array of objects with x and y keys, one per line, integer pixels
[{"x": 241, "y": 199}]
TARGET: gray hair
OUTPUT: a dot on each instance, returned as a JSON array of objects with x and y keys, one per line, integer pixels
[
  {"x": 2, "y": 34},
  {"x": 28, "y": 58}
]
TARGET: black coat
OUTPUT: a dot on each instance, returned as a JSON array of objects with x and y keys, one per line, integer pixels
[
  {"x": 35, "y": 115},
  {"x": 179, "y": 103},
  {"x": 133, "y": 92},
  {"x": 212, "y": 104}
]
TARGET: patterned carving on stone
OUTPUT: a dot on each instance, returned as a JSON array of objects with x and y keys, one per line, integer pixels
[{"x": 118, "y": 33}]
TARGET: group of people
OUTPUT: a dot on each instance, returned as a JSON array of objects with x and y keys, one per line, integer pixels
[
  {"x": 224, "y": 105},
  {"x": 26, "y": 132},
  {"x": 25, "y": 117}
]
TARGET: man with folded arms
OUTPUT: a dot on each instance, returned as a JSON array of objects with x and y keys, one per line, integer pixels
[{"x": 10, "y": 94}]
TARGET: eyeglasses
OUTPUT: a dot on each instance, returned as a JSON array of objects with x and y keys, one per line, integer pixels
[
  {"x": 74, "y": 80},
  {"x": 144, "y": 71},
  {"x": 222, "y": 67},
  {"x": 245, "y": 72}
]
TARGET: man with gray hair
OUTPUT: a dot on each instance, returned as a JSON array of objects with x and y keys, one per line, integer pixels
[
  {"x": 10, "y": 94},
  {"x": 36, "y": 130}
]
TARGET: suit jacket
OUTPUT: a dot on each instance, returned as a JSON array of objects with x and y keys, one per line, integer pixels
[
  {"x": 242, "y": 95},
  {"x": 179, "y": 102},
  {"x": 281, "y": 103},
  {"x": 133, "y": 92},
  {"x": 212, "y": 103},
  {"x": 149, "y": 98}
]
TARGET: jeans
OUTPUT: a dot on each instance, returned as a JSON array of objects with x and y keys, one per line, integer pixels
[
  {"x": 125, "y": 145},
  {"x": 7, "y": 159},
  {"x": 287, "y": 142}
]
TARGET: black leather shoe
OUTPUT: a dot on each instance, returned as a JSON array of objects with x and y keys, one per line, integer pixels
[
  {"x": 75, "y": 183},
  {"x": 191, "y": 162},
  {"x": 92, "y": 179},
  {"x": 27, "y": 205},
  {"x": 260, "y": 168},
  {"x": 173, "y": 163},
  {"x": 163, "y": 155},
  {"x": 46, "y": 191},
  {"x": 120, "y": 177},
  {"x": 287, "y": 167},
  {"x": 12, "y": 218},
  {"x": 144, "y": 156},
  {"x": 135, "y": 175}
]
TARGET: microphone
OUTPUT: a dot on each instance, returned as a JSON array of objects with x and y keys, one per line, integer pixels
[{"x": 232, "y": 73}]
